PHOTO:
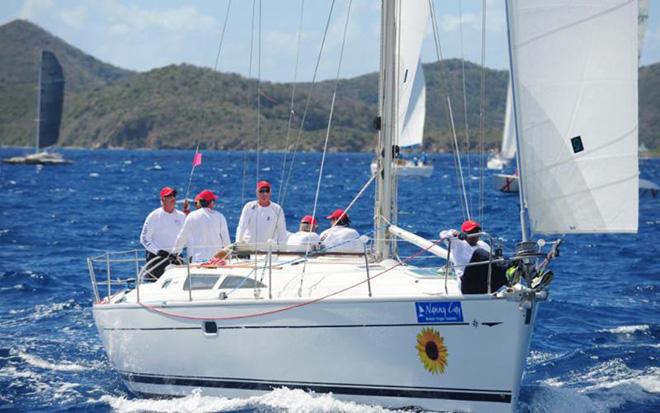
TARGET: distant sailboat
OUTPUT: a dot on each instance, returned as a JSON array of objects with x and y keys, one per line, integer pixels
[
  {"x": 508, "y": 151},
  {"x": 49, "y": 108},
  {"x": 411, "y": 105}
]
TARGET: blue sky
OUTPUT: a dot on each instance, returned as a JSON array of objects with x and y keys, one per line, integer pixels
[{"x": 146, "y": 34}]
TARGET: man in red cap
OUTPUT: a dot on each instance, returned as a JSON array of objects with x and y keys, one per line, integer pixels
[
  {"x": 463, "y": 244},
  {"x": 307, "y": 235},
  {"x": 205, "y": 230},
  {"x": 340, "y": 237},
  {"x": 160, "y": 230},
  {"x": 262, "y": 220}
]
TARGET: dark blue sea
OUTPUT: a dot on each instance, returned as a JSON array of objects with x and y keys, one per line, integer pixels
[{"x": 596, "y": 346}]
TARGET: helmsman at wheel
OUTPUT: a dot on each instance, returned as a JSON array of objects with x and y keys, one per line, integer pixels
[{"x": 160, "y": 229}]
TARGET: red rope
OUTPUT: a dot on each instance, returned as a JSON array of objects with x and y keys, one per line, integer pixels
[{"x": 285, "y": 308}]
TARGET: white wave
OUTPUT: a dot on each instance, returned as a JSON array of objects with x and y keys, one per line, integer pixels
[
  {"x": 43, "y": 364},
  {"x": 626, "y": 329},
  {"x": 539, "y": 357},
  {"x": 279, "y": 400},
  {"x": 94, "y": 175},
  {"x": 46, "y": 310}
]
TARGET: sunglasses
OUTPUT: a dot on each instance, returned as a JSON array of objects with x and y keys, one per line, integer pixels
[{"x": 264, "y": 190}]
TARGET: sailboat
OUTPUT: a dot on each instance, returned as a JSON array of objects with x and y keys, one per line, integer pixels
[
  {"x": 371, "y": 327},
  {"x": 410, "y": 161},
  {"x": 50, "y": 101},
  {"x": 508, "y": 151}
]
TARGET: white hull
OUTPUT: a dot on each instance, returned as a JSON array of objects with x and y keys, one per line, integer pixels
[
  {"x": 497, "y": 162},
  {"x": 506, "y": 183},
  {"x": 356, "y": 347},
  {"x": 408, "y": 168},
  {"x": 40, "y": 158}
]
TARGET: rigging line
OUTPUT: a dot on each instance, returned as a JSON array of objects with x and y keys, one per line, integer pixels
[
  {"x": 249, "y": 101},
  {"x": 465, "y": 109},
  {"x": 293, "y": 94},
  {"x": 222, "y": 36},
  {"x": 457, "y": 156},
  {"x": 307, "y": 103},
  {"x": 482, "y": 104},
  {"x": 332, "y": 110},
  {"x": 258, "y": 96}
]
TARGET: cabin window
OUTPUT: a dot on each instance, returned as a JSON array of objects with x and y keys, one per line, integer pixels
[
  {"x": 166, "y": 283},
  {"x": 236, "y": 281},
  {"x": 201, "y": 281}
]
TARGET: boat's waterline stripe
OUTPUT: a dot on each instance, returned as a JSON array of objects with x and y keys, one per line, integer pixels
[
  {"x": 221, "y": 327},
  {"x": 496, "y": 396}
]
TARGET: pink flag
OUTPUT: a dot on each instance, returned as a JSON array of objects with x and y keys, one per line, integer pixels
[{"x": 197, "y": 159}]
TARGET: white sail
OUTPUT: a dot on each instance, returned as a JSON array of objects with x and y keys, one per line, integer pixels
[
  {"x": 411, "y": 94},
  {"x": 575, "y": 84},
  {"x": 412, "y": 130},
  {"x": 509, "y": 133}
]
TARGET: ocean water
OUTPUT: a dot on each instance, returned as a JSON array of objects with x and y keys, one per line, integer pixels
[{"x": 596, "y": 346}]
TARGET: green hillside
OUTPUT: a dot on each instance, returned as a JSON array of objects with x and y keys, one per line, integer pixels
[{"x": 181, "y": 106}]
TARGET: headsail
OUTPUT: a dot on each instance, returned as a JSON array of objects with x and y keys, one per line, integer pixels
[
  {"x": 575, "y": 86},
  {"x": 51, "y": 97}
]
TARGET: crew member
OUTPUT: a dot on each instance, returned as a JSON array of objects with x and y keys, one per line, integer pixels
[
  {"x": 204, "y": 231},
  {"x": 160, "y": 230},
  {"x": 306, "y": 234},
  {"x": 262, "y": 220},
  {"x": 340, "y": 237}
]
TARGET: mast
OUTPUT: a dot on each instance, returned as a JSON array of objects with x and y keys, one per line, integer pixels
[
  {"x": 383, "y": 208},
  {"x": 41, "y": 64},
  {"x": 524, "y": 227}
]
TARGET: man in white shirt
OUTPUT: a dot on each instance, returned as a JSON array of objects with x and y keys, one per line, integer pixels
[
  {"x": 205, "y": 230},
  {"x": 339, "y": 237},
  {"x": 160, "y": 229},
  {"x": 463, "y": 249},
  {"x": 262, "y": 220},
  {"x": 307, "y": 235}
]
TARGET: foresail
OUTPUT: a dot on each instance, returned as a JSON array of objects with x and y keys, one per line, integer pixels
[
  {"x": 51, "y": 97},
  {"x": 413, "y": 16},
  {"x": 412, "y": 130},
  {"x": 575, "y": 83},
  {"x": 509, "y": 131}
]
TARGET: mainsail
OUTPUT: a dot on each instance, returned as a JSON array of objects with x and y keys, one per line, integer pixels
[
  {"x": 51, "y": 97},
  {"x": 574, "y": 70},
  {"x": 412, "y": 86}
]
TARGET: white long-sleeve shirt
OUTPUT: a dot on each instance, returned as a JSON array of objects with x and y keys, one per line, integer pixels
[
  {"x": 160, "y": 230},
  {"x": 304, "y": 238},
  {"x": 461, "y": 250},
  {"x": 259, "y": 224},
  {"x": 341, "y": 239},
  {"x": 204, "y": 233}
]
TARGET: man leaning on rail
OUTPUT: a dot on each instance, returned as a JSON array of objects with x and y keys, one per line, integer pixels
[{"x": 160, "y": 230}]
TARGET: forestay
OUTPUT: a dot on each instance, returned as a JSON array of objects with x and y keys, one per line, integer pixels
[
  {"x": 412, "y": 86},
  {"x": 574, "y": 66}
]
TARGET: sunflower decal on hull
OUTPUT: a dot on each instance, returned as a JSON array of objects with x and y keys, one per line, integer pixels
[{"x": 431, "y": 350}]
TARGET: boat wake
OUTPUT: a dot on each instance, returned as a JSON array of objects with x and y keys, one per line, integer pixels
[{"x": 279, "y": 400}]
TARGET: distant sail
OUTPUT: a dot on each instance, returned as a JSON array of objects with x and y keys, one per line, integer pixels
[
  {"x": 509, "y": 132},
  {"x": 411, "y": 91},
  {"x": 575, "y": 85},
  {"x": 51, "y": 99},
  {"x": 412, "y": 130}
]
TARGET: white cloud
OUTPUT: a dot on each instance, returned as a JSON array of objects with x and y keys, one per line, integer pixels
[
  {"x": 75, "y": 18},
  {"x": 34, "y": 9}
]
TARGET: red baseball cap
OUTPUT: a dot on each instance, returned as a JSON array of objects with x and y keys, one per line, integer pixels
[
  {"x": 263, "y": 184},
  {"x": 308, "y": 219},
  {"x": 337, "y": 214},
  {"x": 167, "y": 191},
  {"x": 469, "y": 226},
  {"x": 206, "y": 195}
]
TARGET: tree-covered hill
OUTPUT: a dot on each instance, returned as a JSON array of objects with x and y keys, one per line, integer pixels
[{"x": 181, "y": 106}]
